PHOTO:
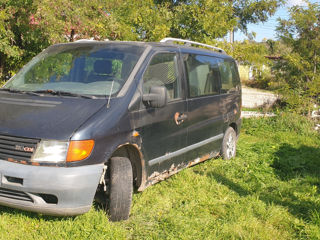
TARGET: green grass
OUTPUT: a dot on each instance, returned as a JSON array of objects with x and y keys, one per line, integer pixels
[{"x": 270, "y": 191}]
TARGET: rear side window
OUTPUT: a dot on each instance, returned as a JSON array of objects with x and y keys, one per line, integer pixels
[
  {"x": 229, "y": 76},
  {"x": 163, "y": 71},
  {"x": 203, "y": 75}
]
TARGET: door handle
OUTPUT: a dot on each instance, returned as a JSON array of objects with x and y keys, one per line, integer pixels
[{"x": 180, "y": 118}]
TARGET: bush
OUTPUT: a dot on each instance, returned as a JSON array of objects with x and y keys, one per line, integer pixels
[
  {"x": 299, "y": 69},
  {"x": 284, "y": 122}
]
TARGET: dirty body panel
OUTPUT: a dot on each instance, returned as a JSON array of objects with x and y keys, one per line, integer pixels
[
  {"x": 187, "y": 130},
  {"x": 44, "y": 117},
  {"x": 49, "y": 190},
  {"x": 161, "y": 134},
  {"x": 206, "y": 118}
]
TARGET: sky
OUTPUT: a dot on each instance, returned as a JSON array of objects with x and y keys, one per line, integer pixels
[{"x": 267, "y": 30}]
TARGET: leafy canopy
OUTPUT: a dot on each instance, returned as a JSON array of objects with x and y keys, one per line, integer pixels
[
  {"x": 300, "y": 68},
  {"x": 28, "y": 26}
]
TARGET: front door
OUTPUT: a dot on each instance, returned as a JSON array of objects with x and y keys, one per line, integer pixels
[{"x": 162, "y": 133}]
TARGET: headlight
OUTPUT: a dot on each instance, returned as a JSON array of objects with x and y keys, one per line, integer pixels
[
  {"x": 61, "y": 151},
  {"x": 51, "y": 152}
]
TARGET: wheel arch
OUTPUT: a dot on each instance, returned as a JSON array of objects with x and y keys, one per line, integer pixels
[
  {"x": 133, "y": 153},
  {"x": 234, "y": 126}
]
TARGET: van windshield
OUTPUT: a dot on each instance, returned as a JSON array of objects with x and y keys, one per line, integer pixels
[{"x": 90, "y": 69}]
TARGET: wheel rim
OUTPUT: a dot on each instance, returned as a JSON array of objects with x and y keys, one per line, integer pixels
[{"x": 231, "y": 146}]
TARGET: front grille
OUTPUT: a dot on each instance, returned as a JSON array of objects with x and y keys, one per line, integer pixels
[
  {"x": 17, "y": 148},
  {"x": 16, "y": 195}
]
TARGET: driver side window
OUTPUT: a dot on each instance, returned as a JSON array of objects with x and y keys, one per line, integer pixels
[{"x": 163, "y": 71}]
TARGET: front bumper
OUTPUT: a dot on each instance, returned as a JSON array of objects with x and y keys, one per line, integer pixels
[{"x": 55, "y": 191}]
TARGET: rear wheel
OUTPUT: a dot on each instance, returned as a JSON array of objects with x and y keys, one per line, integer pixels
[
  {"x": 120, "y": 188},
  {"x": 229, "y": 144}
]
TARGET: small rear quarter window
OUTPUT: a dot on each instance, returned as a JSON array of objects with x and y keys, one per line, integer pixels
[{"x": 229, "y": 76}]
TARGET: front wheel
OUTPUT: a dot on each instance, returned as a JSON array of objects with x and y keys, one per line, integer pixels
[
  {"x": 121, "y": 188},
  {"x": 229, "y": 144}
]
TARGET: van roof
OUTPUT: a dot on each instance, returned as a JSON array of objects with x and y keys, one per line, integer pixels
[{"x": 183, "y": 48}]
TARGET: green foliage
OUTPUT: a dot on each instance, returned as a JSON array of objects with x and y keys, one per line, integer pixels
[
  {"x": 202, "y": 20},
  {"x": 250, "y": 11},
  {"x": 29, "y": 26},
  {"x": 249, "y": 53},
  {"x": 9, "y": 52},
  {"x": 270, "y": 191},
  {"x": 285, "y": 122},
  {"x": 65, "y": 20},
  {"x": 197, "y": 20},
  {"x": 147, "y": 21},
  {"x": 299, "y": 70},
  {"x": 19, "y": 41},
  {"x": 209, "y": 19},
  {"x": 56, "y": 66}
]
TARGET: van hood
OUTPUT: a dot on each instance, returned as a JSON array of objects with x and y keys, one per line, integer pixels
[{"x": 49, "y": 117}]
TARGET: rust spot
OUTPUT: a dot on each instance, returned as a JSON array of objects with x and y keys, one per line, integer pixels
[
  {"x": 157, "y": 177},
  {"x": 235, "y": 111},
  {"x": 205, "y": 157},
  {"x": 35, "y": 164},
  {"x": 137, "y": 147},
  {"x": 176, "y": 115},
  {"x": 199, "y": 160},
  {"x": 125, "y": 144}
]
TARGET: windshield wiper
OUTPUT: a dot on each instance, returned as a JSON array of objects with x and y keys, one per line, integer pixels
[
  {"x": 19, "y": 91},
  {"x": 48, "y": 91},
  {"x": 63, "y": 93},
  {"x": 9, "y": 90}
]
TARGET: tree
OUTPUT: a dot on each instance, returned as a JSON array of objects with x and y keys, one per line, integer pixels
[
  {"x": 300, "y": 68},
  {"x": 153, "y": 20},
  {"x": 65, "y": 20},
  {"x": 202, "y": 20},
  {"x": 146, "y": 20},
  {"x": 254, "y": 11},
  {"x": 10, "y": 51},
  {"x": 214, "y": 18},
  {"x": 29, "y": 26}
]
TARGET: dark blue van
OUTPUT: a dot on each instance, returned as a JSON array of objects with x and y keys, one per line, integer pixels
[{"x": 94, "y": 120}]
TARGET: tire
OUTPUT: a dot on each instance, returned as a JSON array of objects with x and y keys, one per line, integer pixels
[
  {"x": 229, "y": 144},
  {"x": 121, "y": 188}
]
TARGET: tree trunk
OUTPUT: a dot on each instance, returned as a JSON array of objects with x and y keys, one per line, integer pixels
[
  {"x": 232, "y": 35},
  {"x": 1, "y": 67},
  {"x": 315, "y": 65},
  {"x": 72, "y": 35}
]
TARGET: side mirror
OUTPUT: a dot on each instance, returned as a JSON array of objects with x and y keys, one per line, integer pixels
[{"x": 157, "y": 97}]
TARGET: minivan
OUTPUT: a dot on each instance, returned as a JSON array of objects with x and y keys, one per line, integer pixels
[{"x": 94, "y": 120}]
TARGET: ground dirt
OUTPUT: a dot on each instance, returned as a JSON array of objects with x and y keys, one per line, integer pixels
[{"x": 255, "y": 98}]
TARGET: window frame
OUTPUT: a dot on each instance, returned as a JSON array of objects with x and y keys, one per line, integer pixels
[
  {"x": 236, "y": 88},
  {"x": 186, "y": 75},
  {"x": 179, "y": 68}
]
